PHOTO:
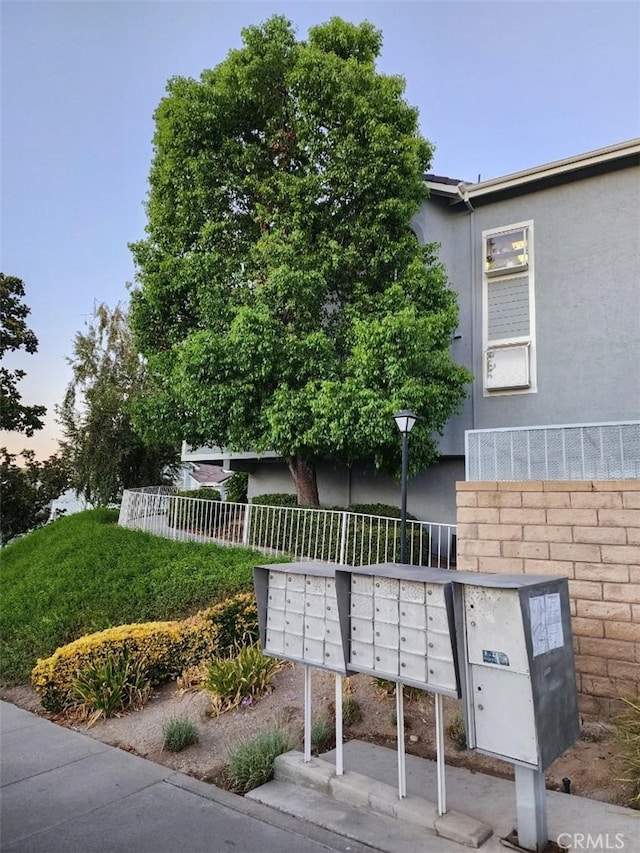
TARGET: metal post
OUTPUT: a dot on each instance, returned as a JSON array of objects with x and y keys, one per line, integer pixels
[
  {"x": 531, "y": 809},
  {"x": 402, "y": 773},
  {"x": 307, "y": 713},
  {"x": 247, "y": 524},
  {"x": 403, "y": 511},
  {"x": 338, "y": 703},
  {"x": 343, "y": 538},
  {"x": 442, "y": 793}
]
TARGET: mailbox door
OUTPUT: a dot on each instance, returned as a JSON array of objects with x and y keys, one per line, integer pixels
[
  {"x": 313, "y": 651},
  {"x": 502, "y": 707},
  {"x": 274, "y": 641},
  {"x": 412, "y": 591},
  {"x": 413, "y": 615},
  {"x": 386, "y": 661},
  {"x": 495, "y": 632},
  {"x": 362, "y": 654},
  {"x": 293, "y": 645},
  {"x": 361, "y": 630},
  {"x": 413, "y": 667},
  {"x": 293, "y": 623},
  {"x": 442, "y": 673}
]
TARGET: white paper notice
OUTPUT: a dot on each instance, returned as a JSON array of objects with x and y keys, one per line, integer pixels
[{"x": 546, "y": 623}]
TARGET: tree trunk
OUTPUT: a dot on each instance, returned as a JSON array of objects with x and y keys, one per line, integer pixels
[{"x": 304, "y": 477}]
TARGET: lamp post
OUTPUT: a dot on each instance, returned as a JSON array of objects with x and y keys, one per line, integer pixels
[{"x": 405, "y": 421}]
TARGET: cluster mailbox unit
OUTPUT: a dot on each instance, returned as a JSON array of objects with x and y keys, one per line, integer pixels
[
  {"x": 515, "y": 638},
  {"x": 503, "y": 642},
  {"x": 298, "y": 615},
  {"x": 519, "y": 688},
  {"x": 401, "y": 628},
  {"x": 401, "y": 625},
  {"x": 299, "y": 620}
]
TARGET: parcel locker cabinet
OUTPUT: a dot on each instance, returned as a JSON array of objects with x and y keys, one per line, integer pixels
[
  {"x": 519, "y": 684},
  {"x": 401, "y": 625},
  {"x": 298, "y": 614}
]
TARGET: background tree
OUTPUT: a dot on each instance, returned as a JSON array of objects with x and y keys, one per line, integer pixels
[
  {"x": 104, "y": 453},
  {"x": 283, "y": 301},
  {"x": 27, "y": 491},
  {"x": 15, "y": 335}
]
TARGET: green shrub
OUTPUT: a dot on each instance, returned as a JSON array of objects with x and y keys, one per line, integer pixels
[
  {"x": 322, "y": 735},
  {"x": 235, "y": 621},
  {"x": 383, "y": 687},
  {"x": 351, "y": 711},
  {"x": 457, "y": 732},
  {"x": 167, "y": 648},
  {"x": 627, "y": 733},
  {"x": 179, "y": 733},
  {"x": 111, "y": 687},
  {"x": 251, "y": 760},
  {"x": 385, "y": 510},
  {"x": 238, "y": 680},
  {"x": 275, "y": 500},
  {"x": 236, "y": 487}
]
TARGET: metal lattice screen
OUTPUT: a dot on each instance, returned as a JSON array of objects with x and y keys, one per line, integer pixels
[{"x": 609, "y": 451}]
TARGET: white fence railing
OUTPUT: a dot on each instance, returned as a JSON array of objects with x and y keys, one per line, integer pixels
[
  {"x": 606, "y": 451},
  {"x": 336, "y": 536}
]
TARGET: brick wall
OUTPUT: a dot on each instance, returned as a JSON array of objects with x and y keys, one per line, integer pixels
[{"x": 588, "y": 531}]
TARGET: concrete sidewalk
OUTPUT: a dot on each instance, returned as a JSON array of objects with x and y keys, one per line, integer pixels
[
  {"x": 574, "y": 822},
  {"x": 64, "y": 792}
]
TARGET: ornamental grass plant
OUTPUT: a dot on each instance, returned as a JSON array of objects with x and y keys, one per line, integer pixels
[
  {"x": 178, "y": 733},
  {"x": 111, "y": 688},
  {"x": 627, "y": 732},
  {"x": 251, "y": 760},
  {"x": 240, "y": 679}
]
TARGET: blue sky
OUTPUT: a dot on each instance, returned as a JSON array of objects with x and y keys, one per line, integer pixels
[{"x": 500, "y": 86}]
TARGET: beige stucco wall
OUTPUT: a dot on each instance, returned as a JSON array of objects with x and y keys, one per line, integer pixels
[{"x": 587, "y": 531}]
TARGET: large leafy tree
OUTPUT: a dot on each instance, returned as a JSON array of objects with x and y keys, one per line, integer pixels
[
  {"x": 27, "y": 490},
  {"x": 283, "y": 301},
  {"x": 104, "y": 453},
  {"x": 16, "y": 335}
]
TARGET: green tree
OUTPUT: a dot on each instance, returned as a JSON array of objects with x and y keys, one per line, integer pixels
[
  {"x": 104, "y": 453},
  {"x": 16, "y": 335},
  {"x": 27, "y": 490},
  {"x": 283, "y": 302}
]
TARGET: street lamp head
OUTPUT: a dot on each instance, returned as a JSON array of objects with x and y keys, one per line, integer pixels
[{"x": 405, "y": 421}]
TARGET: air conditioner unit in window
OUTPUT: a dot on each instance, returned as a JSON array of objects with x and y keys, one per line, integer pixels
[{"x": 507, "y": 367}]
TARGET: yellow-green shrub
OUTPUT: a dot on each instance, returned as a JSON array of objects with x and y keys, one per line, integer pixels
[{"x": 167, "y": 648}]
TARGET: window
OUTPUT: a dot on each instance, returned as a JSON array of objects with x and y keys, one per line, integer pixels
[
  {"x": 506, "y": 252},
  {"x": 508, "y": 310}
]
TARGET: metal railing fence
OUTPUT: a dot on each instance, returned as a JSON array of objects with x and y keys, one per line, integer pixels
[
  {"x": 605, "y": 451},
  {"x": 336, "y": 536}
]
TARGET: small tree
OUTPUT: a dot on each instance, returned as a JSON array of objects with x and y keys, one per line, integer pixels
[
  {"x": 283, "y": 301},
  {"x": 16, "y": 335},
  {"x": 27, "y": 491},
  {"x": 104, "y": 452}
]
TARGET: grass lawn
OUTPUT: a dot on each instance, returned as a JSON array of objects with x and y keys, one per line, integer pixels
[{"x": 84, "y": 573}]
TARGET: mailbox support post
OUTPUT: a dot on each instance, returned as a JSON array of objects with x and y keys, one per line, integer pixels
[
  {"x": 531, "y": 808},
  {"x": 307, "y": 712},
  {"x": 338, "y": 704},
  {"x": 402, "y": 773},
  {"x": 442, "y": 791}
]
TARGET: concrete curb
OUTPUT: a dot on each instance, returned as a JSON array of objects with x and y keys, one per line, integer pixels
[{"x": 360, "y": 791}]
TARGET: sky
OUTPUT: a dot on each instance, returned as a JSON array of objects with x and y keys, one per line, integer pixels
[{"x": 500, "y": 87}]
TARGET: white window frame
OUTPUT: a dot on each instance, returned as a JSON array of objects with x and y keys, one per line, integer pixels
[{"x": 489, "y": 277}]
